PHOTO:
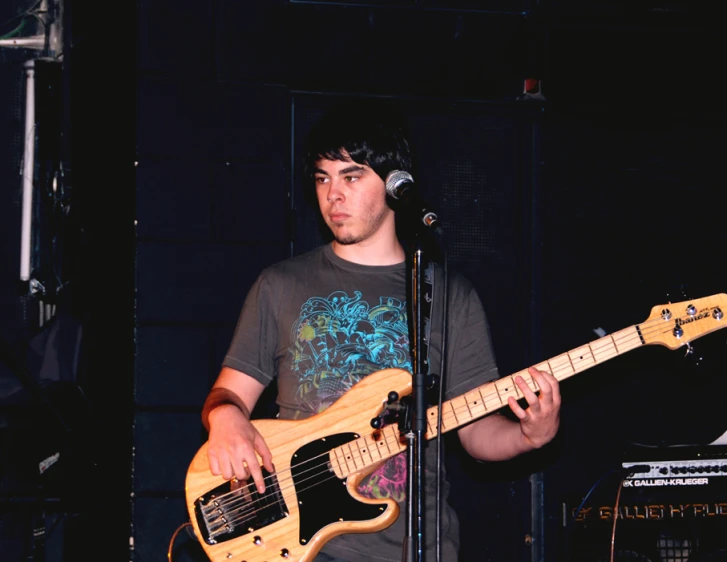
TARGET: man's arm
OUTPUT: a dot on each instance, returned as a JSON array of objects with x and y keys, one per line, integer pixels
[
  {"x": 497, "y": 438},
  {"x": 232, "y": 387},
  {"x": 234, "y": 444}
]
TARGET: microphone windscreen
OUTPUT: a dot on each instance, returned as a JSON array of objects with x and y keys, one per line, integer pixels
[{"x": 395, "y": 179}]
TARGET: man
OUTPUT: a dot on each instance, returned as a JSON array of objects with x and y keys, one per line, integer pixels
[{"x": 322, "y": 321}]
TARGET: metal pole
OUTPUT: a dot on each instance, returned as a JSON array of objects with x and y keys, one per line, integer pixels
[{"x": 28, "y": 171}]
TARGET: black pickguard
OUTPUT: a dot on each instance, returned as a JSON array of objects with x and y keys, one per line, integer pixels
[
  {"x": 237, "y": 508},
  {"x": 323, "y": 497}
]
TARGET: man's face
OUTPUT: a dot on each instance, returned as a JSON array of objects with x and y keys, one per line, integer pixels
[{"x": 352, "y": 199}]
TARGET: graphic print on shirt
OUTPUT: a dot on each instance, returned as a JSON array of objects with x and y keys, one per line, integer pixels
[{"x": 338, "y": 340}]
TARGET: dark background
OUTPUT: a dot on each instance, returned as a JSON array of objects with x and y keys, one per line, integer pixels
[{"x": 177, "y": 128}]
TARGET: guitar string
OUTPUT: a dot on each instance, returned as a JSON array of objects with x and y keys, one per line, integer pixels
[
  {"x": 573, "y": 370},
  {"x": 250, "y": 508},
  {"x": 322, "y": 461},
  {"x": 629, "y": 338},
  {"x": 597, "y": 359}
]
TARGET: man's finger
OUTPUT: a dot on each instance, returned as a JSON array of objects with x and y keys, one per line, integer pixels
[
  {"x": 526, "y": 391},
  {"x": 257, "y": 475},
  {"x": 214, "y": 465},
  {"x": 265, "y": 454}
]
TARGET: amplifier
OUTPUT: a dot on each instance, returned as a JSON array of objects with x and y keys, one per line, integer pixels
[
  {"x": 673, "y": 508},
  {"x": 677, "y": 466}
]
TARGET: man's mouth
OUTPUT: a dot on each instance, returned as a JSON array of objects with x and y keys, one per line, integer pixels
[{"x": 337, "y": 217}]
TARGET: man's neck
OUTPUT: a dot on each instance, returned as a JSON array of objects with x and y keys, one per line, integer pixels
[{"x": 389, "y": 253}]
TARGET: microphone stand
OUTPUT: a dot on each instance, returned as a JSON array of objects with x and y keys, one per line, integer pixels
[{"x": 413, "y": 549}]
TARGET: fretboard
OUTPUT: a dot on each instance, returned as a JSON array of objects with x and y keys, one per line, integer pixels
[
  {"x": 492, "y": 396},
  {"x": 382, "y": 444}
]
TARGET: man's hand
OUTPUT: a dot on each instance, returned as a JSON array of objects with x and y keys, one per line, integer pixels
[
  {"x": 539, "y": 422},
  {"x": 234, "y": 445}
]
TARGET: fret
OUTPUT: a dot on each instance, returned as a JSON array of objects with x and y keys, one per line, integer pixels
[
  {"x": 393, "y": 438},
  {"x": 453, "y": 410},
  {"x": 342, "y": 462},
  {"x": 381, "y": 443},
  {"x": 354, "y": 456},
  {"x": 483, "y": 401},
  {"x": 336, "y": 463},
  {"x": 604, "y": 348},
  {"x": 368, "y": 445},
  {"x": 432, "y": 420},
  {"x": 627, "y": 339},
  {"x": 562, "y": 367},
  {"x": 506, "y": 387},
  {"x": 475, "y": 404},
  {"x": 530, "y": 381},
  {"x": 491, "y": 397},
  {"x": 581, "y": 358}
]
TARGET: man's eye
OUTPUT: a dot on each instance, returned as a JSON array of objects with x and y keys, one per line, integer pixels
[
  {"x": 321, "y": 179},
  {"x": 351, "y": 178}
]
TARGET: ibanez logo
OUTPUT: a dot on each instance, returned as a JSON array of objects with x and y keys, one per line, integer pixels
[{"x": 703, "y": 314}]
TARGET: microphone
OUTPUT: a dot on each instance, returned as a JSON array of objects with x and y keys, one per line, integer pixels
[{"x": 400, "y": 186}]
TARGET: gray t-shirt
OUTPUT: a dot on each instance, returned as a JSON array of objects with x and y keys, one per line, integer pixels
[{"x": 320, "y": 324}]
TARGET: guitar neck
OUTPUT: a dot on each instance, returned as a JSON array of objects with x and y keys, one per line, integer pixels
[
  {"x": 671, "y": 325},
  {"x": 387, "y": 442},
  {"x": 492, "y": 396}
]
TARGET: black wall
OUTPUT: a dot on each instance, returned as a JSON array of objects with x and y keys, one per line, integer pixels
[{"x": 575, "y": 210}]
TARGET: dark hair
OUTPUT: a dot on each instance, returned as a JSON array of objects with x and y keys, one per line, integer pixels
[{"x": 368, "y": 132}]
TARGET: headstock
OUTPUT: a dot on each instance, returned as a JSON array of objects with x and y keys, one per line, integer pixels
[{"x": 677, "y": 323}]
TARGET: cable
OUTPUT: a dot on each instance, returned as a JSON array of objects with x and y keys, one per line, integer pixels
[
  {"x": 615, "y": 514},
  {"x": 174, "y": 537},
  {"x": 635, "y": 469},
  {"x": 15, "y": 31},
  {"x": 627, "y": 472},
  {"x": 593, "y": 488},
  {"x": 27, "y": 12}
]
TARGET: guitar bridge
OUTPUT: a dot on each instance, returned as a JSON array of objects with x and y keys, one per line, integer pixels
[{"x": 236, "y": 508}]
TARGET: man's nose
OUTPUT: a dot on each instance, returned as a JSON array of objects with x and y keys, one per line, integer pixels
[{"x": 335, "y": 192}]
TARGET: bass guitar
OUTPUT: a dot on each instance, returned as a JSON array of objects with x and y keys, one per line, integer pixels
[{"x": 312, "y": 496}]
